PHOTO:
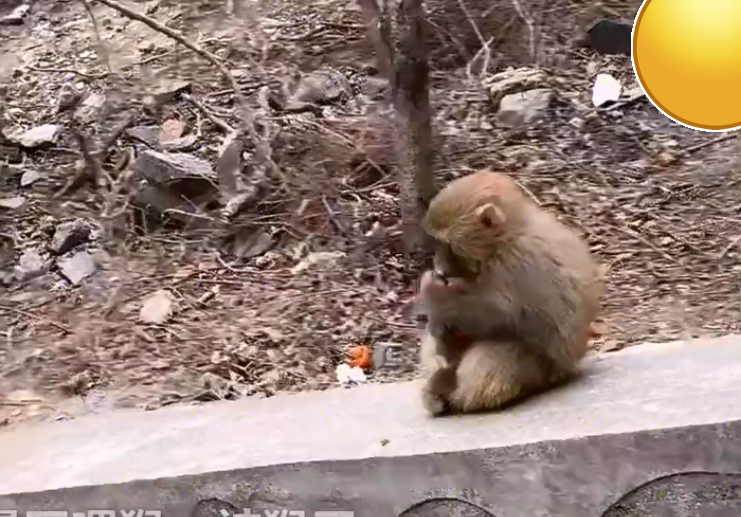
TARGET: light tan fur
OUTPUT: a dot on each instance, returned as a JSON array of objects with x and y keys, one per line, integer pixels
[{"x": 531, "y": 293}]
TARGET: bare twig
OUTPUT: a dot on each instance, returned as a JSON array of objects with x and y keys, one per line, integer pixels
[
  {"x": 225, "y": 127},
  {"x": 35, "y": 317},
  {"x": 68, "y": 71},
  {"x": 703, "y": 145},
  {"x": 728, "y": 248},
  {"x": 484, "y": 43}
]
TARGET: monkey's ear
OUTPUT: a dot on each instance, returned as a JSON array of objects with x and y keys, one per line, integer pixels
[{"x": 490, "y": 215}]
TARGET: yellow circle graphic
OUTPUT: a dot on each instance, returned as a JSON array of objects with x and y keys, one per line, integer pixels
[{"x": 687, "y": 57}]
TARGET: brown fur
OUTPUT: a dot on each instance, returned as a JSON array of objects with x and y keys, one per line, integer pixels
[{"x": 530, "y": 295}]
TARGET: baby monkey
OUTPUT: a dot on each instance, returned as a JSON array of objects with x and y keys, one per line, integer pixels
[{"x": 511, "y": 305}]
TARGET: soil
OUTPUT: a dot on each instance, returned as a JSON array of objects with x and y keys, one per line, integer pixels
[{"x": 658, "y": 202}]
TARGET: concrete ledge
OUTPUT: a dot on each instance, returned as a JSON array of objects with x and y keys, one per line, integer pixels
[{"x": 637, "y": 415}]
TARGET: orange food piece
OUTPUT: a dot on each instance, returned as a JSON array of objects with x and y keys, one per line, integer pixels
[{"x": 361, "y": 356}]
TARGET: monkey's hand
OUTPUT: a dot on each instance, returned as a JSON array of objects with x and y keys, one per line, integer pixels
[{"x": 435, "y": 287}]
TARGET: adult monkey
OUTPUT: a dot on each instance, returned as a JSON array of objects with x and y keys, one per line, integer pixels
[{"x": 511, "y": 303}]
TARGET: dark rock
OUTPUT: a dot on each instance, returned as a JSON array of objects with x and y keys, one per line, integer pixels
[
  {"x": 68, "y": 235},
  {"x": 610, "y": 37}
]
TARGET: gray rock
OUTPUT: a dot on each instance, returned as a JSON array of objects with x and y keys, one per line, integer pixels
[
  {"x": 375, "y": 87},
  {"x": 77, "y": 267},
  {"x": 90, "y": 108},
  {"x": 31, "y": 264},
  {"x": 158, "y": 167},
  {"x": 68, "y": 97},
  {"x": 513, "y": 81},
  {"x": 170, "y": 90},
  {"x": 16, "y": 16},
  {"x": 526, "y": 107},
  {"x": 12, "y": 203},
  {"x": 319, "y": 87},
  {"x": 148, "y": 135},
  {"x": 29, "y": 177},
  {"x": 39, "y": 136},
  {"x": 68, "y": 235}
]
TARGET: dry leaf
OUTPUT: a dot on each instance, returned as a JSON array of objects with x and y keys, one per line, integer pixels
[{"x": 171, "y": 130}]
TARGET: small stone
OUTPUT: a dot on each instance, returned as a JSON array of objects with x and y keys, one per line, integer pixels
[
  {"x": 375, "y": 88},
  {"x": 170, "y": 90},
  {"x": 157, "y": 307},
  {"x": 321, "y": 259},
  {"x": 665, "y": 158},
  {"x": 39, "y": 136},
  {"x": 159, "y": 167},
  {"x": 29, "y": 177},
  {"x": 67, "y": 98},
  {"x": 30, "y": 265},
  {"x": 77, "y": 267},
  {"x": 12, "y": 203},
  {"x": 524, "y": 108},
  {"x": 320, "y": 86},
  {"x": 68, "y": 235},
  {"x": 90, "y": 108}
]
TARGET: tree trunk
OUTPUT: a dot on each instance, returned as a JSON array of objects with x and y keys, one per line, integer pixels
[{"x": 414, "y": 117}]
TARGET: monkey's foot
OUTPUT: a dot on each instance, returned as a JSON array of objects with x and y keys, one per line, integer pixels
[{"x": 435, "y": 404}]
